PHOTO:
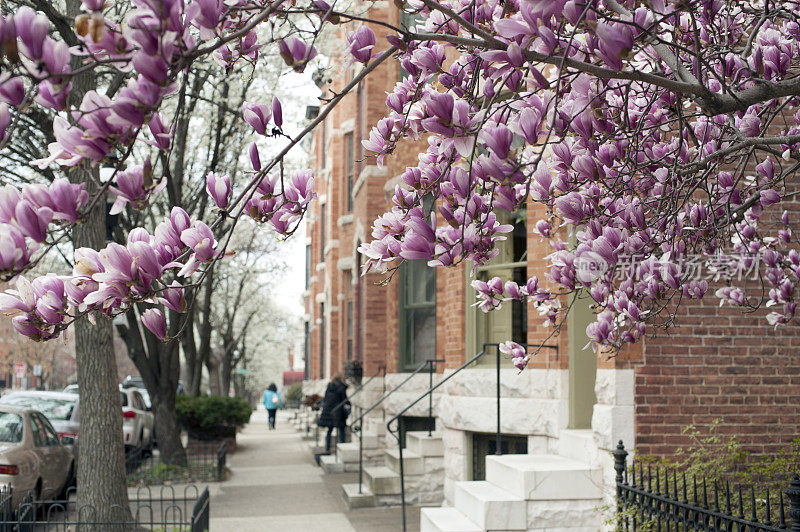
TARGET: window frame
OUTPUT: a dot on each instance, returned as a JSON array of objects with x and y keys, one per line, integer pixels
[
  {"x": 349, "y": 169},
  {"x": 405, "y": 358},
  {"x": 475, "y": 323}
]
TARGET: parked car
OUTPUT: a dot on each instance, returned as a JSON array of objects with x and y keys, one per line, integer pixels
[
  {"x": 137, "y": 422},
  {"x": 32, "y": 459},
  {"x": 71, "y": 388},
  {"x": 61, "y": 409}
]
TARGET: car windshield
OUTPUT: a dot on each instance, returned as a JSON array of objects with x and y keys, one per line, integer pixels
[
  {"x": 10, "y": 428},
  {"x": 52, "y": 408}
]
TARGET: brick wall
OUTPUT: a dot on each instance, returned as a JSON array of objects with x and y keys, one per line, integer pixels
[{"x": 718, "y": 363}]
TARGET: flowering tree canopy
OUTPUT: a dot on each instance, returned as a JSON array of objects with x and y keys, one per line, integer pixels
[{"x": 654, "y": 131}]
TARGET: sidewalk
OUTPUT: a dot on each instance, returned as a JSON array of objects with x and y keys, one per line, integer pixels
[{"x": 275, "y": 485}]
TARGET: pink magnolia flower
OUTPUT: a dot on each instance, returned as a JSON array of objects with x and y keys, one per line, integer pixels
[
  {"x": 12, "y": 90},
  {"x": 277, "y": 112},
  {"x": 131, "y": 187},
  {"x": 162, "y": 136},
  {"x": 296, "y": 53},
  {"x": 33, "y": 221},
  {"x": 360, "y": 44},
  {"x": 173, "y": 298},
  {"x": 257, "y": 115},
  {"x": 155, "y": 322},
  {"x": 219, "y": 188}
]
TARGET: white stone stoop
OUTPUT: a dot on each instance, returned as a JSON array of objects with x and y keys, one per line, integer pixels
[
  {"x": 532, "y": 492},
  {"x": 423, "y": 467}
]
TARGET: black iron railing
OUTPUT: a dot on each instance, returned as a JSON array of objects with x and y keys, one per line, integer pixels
[
  {"x": 429, "y": 393},
  {"x": 360, "y": 419},
  {"x": 652, "y": 498},
  {"x": 164, "y": 509}
]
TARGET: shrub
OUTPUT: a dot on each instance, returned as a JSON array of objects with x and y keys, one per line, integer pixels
[
  {"x": 294, "y": 393},
  {"x": 211, "y": 417}
]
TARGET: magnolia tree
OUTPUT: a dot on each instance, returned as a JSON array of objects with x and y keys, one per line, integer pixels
[{"x": 653, "y": 132}]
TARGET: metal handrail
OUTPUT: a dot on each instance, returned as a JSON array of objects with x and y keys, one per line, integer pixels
[
  {"x": 429, "y": 392},
  {"x": 360, "y": 419}
]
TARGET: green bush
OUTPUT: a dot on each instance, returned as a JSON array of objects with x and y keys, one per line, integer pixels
[
  {"x": 210, "y": 417},
  {"x": 294, "y": 393}
]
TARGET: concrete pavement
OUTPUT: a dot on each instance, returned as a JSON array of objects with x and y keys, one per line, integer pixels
[{"x": 276, "y": 486}]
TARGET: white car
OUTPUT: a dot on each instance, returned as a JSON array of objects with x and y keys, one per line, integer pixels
[{"x": 137, "y": 421}]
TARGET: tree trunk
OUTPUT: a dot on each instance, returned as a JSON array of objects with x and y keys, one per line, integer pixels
[
  {"x": 101, "y": 468},
  {"x": 159, "y": 365},
  {"x": 213, "y": 376},
  {"x": 167, "y": 431}
]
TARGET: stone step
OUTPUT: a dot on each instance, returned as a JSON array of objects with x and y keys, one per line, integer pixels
[
  {"x": 412, "y": 462},
  {"x": 490, "y": 506},
  {"x": 424, "y": 445},
  {"x": 544, "y": 476},
  {"x": 354, "y": 499},
  {"x": 578, "y": 445},
  {"x": 375, "y": 426},
  {"x": 347, "y": 452},
  {"x": 371, "y": 441},
  {"x": 445, "y": 520},
  {"x": 330, "y": 464},
  {"x": 382, "y": 480}
]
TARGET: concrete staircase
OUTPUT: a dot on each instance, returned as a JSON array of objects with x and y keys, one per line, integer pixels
[
  {"x": 423, "y": 467},
  {"x": 532, "y": 492},
  {"x": 345, "y": 457}
]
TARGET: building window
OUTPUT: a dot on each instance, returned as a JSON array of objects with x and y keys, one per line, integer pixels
[
  {"x": 322, "y": 233},
  {"x": 417, "y": 313},
  {"x": 350, "y": 327},
  {"x": 484, "y": 445},
  {"x": 322, "y": 341},
  {"x": 306, "y": 349},
  {"x": 509, "y": 322},
  {"x": 324, "y": 149},
  {"x": 308, "y": 266},
  {"x": 349, "y": 158}
]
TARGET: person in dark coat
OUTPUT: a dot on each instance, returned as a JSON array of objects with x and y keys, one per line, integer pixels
[{"x": 335, "y": 408}]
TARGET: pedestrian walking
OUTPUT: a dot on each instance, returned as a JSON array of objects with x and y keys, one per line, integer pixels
[
  {"x": 335, "y": 409},
  {"x": 272, "y": 402}
]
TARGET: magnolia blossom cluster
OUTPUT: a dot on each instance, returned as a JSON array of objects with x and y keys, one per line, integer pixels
[
  {"x": 108, "y": 281},
  {"x": 26, "y": 217},
  {"x": 518, "y": 354},
  {"x": 625, "y": 164}
]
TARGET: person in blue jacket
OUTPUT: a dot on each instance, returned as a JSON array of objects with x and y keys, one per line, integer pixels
[{"x": 272, "y": 402}]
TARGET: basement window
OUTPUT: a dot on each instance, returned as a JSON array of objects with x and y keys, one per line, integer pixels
[{"x": 484, "y": 445}]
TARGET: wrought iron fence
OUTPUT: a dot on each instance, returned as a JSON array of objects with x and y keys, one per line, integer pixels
[
  {"x": 653, "y": 498},
  {"x": 186, "y": 510},
  {"x": 204, "y": 462}
]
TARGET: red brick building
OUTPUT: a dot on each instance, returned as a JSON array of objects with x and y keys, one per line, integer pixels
[{"x": 714, "y": 363}]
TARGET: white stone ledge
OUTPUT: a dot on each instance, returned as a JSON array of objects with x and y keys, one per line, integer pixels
[
  {"x": 320, "y": 297},
  {"x": 531, "y": 383},
  {"x": 330, "y": 245},
  {"x": 370, "y": 170},
  {"x": 518, "y": 416},
  {"x": 347, "y": 126},
  {"x": 320, "y": 266},
  {"x": 345, "y": 219},
  {"x": 345, "y": 263}
]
